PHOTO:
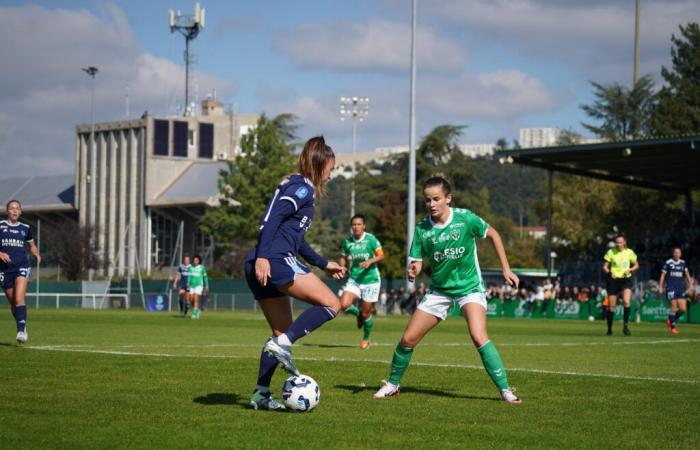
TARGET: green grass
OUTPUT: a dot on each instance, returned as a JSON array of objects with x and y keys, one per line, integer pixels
[{"x": 116, "y": 379}]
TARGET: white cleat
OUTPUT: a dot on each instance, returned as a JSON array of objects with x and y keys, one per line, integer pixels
[
  {"x": 508, "y": 396},
  {"x": 387, "y": 390},
  {"x": 282, "y": 353},
  {"x": 21, "y": 337}
]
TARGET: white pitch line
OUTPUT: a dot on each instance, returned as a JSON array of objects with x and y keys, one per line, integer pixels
[
  {"x": 375, "y": 361},
  {"x": 385, "y": 344}
]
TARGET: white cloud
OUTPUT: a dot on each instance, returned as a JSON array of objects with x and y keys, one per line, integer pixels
[
  {"x": 44, "y": 94},
  {"x": 596, "y": 37},
  {"x": 375, "y": 45}
]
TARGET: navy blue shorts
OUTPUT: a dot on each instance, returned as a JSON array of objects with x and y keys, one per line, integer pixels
[
  {"x": 182, "y": 284},
  {"x": 282, "y": 272},
  {"x": 675, "y": 293},
  {"x": 7, "y": 278}
]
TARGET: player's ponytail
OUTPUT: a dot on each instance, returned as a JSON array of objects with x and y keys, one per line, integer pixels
[{"x": 313, "y": 160}]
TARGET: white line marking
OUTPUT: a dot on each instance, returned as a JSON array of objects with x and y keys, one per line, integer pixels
[
  {"x": 392, "y": 344},
  {"x": 375, "y": 361}
]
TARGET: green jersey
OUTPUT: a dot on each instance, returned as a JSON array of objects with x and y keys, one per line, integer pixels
[
  {"x": 359, "y": 250},
  {"x": 450, "y": 249},
  {"x": 197, "y": 276}
]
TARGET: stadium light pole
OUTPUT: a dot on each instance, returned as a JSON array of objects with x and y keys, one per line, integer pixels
[
  {"x": 411, "y": 222},
  {"x": 91, "y": 71},
  {"x": 357, "y": 109},
  {"x": 635, "y": 75}
]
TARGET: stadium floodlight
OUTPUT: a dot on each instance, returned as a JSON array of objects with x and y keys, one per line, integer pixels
[
  {"x": 357, "y": 109},
  {"x": 189, "y": 26},
  {"x": 91, "y": 168}
]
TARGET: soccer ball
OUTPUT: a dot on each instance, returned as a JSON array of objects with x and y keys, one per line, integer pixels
[{"x": 300, "y": 393}]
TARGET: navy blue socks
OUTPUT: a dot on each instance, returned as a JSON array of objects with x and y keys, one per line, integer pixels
[
  {"x": 21, "y": 317},
  {"x": 308, "y": 321}
]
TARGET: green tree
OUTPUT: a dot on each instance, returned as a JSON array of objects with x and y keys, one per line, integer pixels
[
  {"x": 569, "y": 137},
  {"x": 624, "y": 113},
  {"x": 678, "y": 109},
  {"x": 245, "y": 187}
]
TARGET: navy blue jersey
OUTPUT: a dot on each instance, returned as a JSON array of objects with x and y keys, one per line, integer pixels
[
  {"x": 675, "y": 271},
  {"x": 286, "y": 220},
  {"x": 13, "y": 238},
  {"x": 182, "y": 270}
]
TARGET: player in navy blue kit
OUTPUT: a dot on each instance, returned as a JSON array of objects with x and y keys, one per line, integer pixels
[
  {"x": 180, "y": 283},
  {"x": 673, "y": 274},
  {"x": 15, "y": 266},
  {"x": 274, "y": 274}
]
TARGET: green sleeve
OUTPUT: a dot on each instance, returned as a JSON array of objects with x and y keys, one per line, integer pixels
[
  {"x": 633, "y": 256},
  {"x": 417, "y": 245},
  {"x": 344, "y": 249},
  {"x": 376, "y": 245},
  {"x": 477, "y": 226}
]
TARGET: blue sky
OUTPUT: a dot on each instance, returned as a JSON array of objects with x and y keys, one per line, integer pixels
[{"x": 494, "y": 65}]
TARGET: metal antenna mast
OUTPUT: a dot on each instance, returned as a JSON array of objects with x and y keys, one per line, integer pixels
[{"x": 189, "y": 26}]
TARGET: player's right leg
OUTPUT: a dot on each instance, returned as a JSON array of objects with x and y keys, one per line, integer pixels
[
  {"x": 278, "y": 314},
  {"x": 612, "y": 305},
  {"x": 418, "y": 326},
  {"x": 350, "y": 293}
]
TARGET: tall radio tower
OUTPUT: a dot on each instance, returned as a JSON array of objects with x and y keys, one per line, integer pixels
[{"x": 188, "y": 26}]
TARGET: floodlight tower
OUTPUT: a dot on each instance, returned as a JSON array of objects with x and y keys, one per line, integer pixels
[
  {"x": 189, "y": 26},
  {"x": 356, "y": 108}
]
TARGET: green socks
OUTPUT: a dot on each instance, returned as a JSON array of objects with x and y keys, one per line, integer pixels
[
  {"x": 369, "y": 323},
  {"x": 492, "y": 364},
  {"x": 354, "y": 310},
  {"x": 399, "y": 363}
]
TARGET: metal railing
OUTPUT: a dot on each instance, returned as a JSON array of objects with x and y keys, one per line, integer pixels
[{"x": 103, "y": 298}]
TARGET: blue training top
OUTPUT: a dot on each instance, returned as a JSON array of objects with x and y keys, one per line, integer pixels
[
  {"x": 182, "y": 270},
  {"x": 13, "y": 238},
  {"x": 675, "y": 271},
  {"x": 287, "y": 218}
]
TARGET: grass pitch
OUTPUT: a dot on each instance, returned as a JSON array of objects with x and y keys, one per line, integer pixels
[{"x": 118, "y": 379}]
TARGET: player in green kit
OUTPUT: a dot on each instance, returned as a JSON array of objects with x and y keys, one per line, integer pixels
[
  {"x": 362, "y": 252},
  {"x": 197, "y": 283},
  {"x": 446, "y": 240}
]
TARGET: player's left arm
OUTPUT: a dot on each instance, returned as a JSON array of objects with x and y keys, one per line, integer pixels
[
  {"x": 689, "y": 279},
  {"x": 497, "y": 242},
  {"x": 378, "y": 257},
  {"x": 635, "y": 264},
  {"x": 33, "y": 249}
]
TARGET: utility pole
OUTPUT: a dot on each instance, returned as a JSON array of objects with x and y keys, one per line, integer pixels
[
  {"x": 411, "y": 222},
  {"x": 92, "y": 166},
  {"x": 189, "y": 27},
  {"x": 635, "y": 76}
]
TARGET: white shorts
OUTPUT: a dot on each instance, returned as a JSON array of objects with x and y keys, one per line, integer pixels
[
  {"x": 367, "y": 292},
  {"x": 439, "y": 305},
  {"x": 196, "y": 290}
]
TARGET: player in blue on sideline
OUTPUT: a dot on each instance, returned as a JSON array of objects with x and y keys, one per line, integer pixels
[
  {"x": 180, "y": 283},
  {"x": 15, "y": 266},
  {"x": 274, "y": 274},
  {"x": 672, "y": 281}
]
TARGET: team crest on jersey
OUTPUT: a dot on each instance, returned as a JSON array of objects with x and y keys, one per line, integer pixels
[
  {"x": 455, "y": 234},
  {"x": 438, "y": 256},
  {"x": 302, "y": 192}
]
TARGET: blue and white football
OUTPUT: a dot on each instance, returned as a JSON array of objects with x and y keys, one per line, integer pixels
[{"x": 300, "y": 393}]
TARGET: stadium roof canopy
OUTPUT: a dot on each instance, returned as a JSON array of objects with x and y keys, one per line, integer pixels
[
  {"x": 665, "y": 163},
  {"x": 197, "y": 185},
  {"x": 53, "y": 193}
]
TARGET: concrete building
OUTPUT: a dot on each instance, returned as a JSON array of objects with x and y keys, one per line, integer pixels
[
  {"x": 476, "y": 150},
  {"x": 145, "y": 181},
  {"x": 538, "y": 137}
]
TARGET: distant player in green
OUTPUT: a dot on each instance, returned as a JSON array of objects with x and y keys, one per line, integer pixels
[
  {"x": 446, "y": 240},
  {"x": 362, "y": 252},
  {"x": 620, "y": 263},
  {"x": 197, "y": 283}
]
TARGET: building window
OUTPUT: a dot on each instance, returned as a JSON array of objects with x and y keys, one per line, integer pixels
[
  {"x": 206, "y": 140},
  {"x": 161, "y": 130},
  {"x": 180, "y": 139}
]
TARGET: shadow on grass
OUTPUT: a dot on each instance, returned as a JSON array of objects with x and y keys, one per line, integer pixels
[
  {"x": 220, "y": 398},
  {"x": 355, "y": 389},
  {"x": 326, "y": 345},
  {"x": 8, "y": 344}
]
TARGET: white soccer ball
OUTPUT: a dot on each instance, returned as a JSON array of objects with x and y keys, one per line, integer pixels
[{"x": 300, "y": 393}]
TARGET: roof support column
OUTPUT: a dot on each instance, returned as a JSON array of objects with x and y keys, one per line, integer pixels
[{"x": 548, "y": 257}]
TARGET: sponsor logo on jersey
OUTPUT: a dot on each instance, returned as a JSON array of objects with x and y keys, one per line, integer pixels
[
  {"x": 449, "y": 253},
  {"x": 302, "y": 192}
]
